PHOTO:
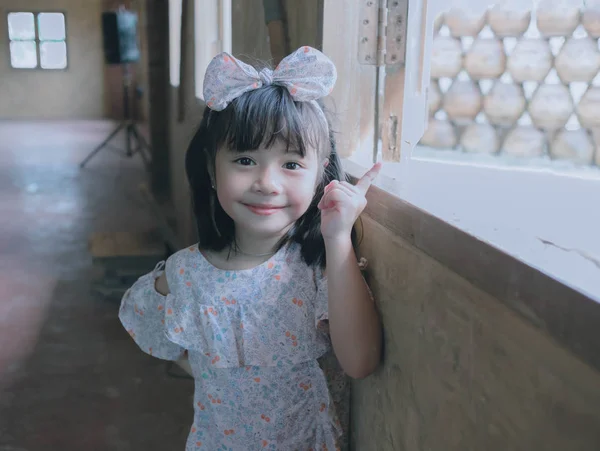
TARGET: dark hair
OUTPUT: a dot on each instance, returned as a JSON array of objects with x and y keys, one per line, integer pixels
[{"x": 260, "y": 118}]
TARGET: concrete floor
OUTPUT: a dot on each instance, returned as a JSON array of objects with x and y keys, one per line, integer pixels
[{"x": 71, "y": 379}]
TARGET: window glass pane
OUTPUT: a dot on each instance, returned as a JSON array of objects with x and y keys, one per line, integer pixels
[
  {"x": 53, "y": 55},
  {"x": 21, "y": 26},
  {"x": 51, "y": 26},
  {"x": 23, "y": 54}
]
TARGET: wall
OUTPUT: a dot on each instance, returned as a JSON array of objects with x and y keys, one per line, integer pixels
[
  {"x": 77, "y": 92},
  {"x": 461, "y": 370}
]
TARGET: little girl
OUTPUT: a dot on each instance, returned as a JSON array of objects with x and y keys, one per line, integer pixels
[{"x": 269, "y": 332}]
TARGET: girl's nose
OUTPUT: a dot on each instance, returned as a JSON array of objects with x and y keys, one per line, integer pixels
[{"x": 268, "y": 181}]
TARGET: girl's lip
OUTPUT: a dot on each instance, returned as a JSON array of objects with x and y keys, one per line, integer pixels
[{"x": 263, "y": 210}]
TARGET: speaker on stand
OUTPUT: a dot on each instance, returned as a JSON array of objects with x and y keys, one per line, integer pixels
[{"x": 119, "y": 30}]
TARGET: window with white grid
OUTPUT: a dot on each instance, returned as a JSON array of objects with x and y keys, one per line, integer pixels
[{"x": 37, "y": 40}]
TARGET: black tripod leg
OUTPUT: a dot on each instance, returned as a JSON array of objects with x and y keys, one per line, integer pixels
[
  {"x": 142, "y": 146},
  {"x": 128, "y": 137},
  {"x": 101, "y": 146}
]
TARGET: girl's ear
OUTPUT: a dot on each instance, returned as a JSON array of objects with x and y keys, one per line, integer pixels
[{"x": 326, "y": 162}]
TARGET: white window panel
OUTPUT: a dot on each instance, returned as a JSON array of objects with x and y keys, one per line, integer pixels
[
  {"x": 23, "y": 54},
  {"x": 51, "y": 27},
  {"x": 53, "y": 55},
  {"x": 212, "y": 35},
  {"x": 175, "y": 7},
  {"x": 21, "y": 27},
  {"x": 225, "y": 25}
]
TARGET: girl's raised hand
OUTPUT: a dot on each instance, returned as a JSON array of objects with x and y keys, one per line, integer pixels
[{"x": 342, "y": 204}]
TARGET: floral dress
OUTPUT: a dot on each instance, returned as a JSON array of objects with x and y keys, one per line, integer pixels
[{"x": 257, "y": 341}]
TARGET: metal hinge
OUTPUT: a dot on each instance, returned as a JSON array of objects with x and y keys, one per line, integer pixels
[{"x": 382, "y": 34}]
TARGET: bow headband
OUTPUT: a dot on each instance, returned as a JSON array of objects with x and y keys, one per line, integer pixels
[{"x": 307, "y": 74}]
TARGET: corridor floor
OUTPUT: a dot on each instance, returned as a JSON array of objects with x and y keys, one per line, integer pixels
[{"x": 71, "y": 379}]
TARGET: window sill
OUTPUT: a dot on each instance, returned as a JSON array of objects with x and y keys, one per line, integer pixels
[
  {"x": 463, "y": 194},
  {"x": 508, "y": 255}
]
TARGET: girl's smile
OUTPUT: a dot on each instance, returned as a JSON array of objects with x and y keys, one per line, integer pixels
[{"x": 263, "y": 209}]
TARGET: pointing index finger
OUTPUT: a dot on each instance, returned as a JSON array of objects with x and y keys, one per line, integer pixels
[{"x": 365, "y": 181}]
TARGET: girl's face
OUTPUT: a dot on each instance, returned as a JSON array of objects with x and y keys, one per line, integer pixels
[{"x": 265, "y": 191}]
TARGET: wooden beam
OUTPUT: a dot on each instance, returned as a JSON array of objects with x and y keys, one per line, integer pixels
[{"x": 184, "y": 60}]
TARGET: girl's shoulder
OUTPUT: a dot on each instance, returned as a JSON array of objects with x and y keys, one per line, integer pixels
[
  {"x": 184, "y": 265},
  {"x": 187, "y": 257}
]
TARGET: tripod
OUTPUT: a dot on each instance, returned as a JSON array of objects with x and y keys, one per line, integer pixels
[{"x": 132, "y": 135}]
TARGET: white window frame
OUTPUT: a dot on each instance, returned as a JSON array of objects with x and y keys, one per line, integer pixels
[
  {"x": 175, "y": 7},
  {"x": 212, "y": 35},
  {"x": 38, "y": 42},
  {"x": 544, "y": 218}
]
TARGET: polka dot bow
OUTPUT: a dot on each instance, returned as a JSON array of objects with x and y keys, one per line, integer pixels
[{"x": 307, "y": 74}]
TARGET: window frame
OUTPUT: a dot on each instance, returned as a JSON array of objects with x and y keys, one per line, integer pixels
[
  {"x": 524, "y": 279},
  {"x": 212, "y": 35},
  {"x": 37, "y": 40},
  {"x": 208, "y": 40},
  {"x": 455, "y": 191},
  {"x": 175, "y": 17}
]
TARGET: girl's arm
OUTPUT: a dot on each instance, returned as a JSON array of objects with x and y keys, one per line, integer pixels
[{"x": 354, "y": 324}]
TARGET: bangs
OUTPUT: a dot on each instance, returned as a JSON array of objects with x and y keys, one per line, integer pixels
[{"x": 262, "y": 117}]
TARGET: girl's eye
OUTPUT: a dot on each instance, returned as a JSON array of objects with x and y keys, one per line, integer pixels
[
  {"x": 292, "y": 165},
  {"x": 245, "y": 161}
]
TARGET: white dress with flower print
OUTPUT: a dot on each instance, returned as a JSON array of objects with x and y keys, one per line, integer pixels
[{"x": 265, "y": 374}]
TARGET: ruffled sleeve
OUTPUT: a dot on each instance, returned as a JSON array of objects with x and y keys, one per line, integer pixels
[{"x": 142, "y": 313}]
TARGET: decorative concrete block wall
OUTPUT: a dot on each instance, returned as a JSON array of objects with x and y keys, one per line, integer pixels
[{"x": 518, "y": 82}]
